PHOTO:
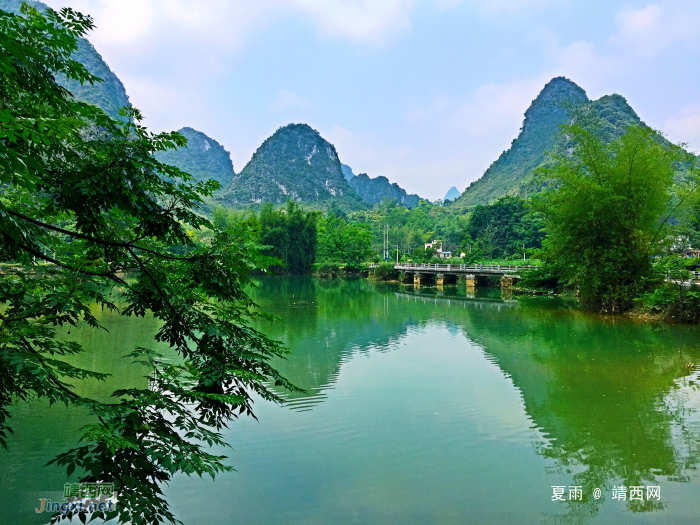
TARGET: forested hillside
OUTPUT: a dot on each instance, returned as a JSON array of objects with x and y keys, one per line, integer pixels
[
  {"x": 538, "y": 135},
  {"x": 295, "y": 163},
  {"x": 203, "y": 157},
  {"x": 109, "y": 95},
  {"x": 512, "y": 173}
]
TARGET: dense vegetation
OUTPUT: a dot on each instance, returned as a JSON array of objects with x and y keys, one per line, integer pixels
[
  {"x": 340, "y": 241},
  {"x": 88, "y": 217},
  {"x": 505, "y": 228},
  {"x": 336, "y": 239},
  {"x": 607, "y": 211},
  {"x": 290, "y": 236}
]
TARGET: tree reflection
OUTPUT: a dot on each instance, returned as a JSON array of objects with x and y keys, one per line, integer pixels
[{"x": 608, "y": 394}]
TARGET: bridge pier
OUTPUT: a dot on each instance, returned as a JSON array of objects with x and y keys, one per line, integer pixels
[
  {"x": 443, "y": 279},
  {"x": 472, "y": 281},
  {"x": 508, "y": 280},
  {"x": 416, "y": 279},
  {"x": 420, "y": 279}
]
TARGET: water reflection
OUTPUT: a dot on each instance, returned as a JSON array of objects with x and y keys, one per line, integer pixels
[
  {"x": 597, "y": 403},
  {"x": 613, "y": 397},
  {"x": 601, "y": 392},
  {"x": 325, "y": 322}
]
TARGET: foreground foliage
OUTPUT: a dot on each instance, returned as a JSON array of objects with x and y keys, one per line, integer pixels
[{"x": 85, "y": 207}]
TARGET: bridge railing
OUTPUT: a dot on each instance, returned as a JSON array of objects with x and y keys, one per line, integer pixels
[
  {"x": 695, "y": 276},
  {"x": 464, "y": 267}
]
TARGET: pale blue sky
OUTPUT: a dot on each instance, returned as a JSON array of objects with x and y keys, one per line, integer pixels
[{"x": 427, "y": 93}]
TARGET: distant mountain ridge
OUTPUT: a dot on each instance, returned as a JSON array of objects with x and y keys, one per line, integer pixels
[
  {"x": 347, "y": 172},
  {"x": 203, "y": 157},
  {"x": 294, "y": 163},
  {"x": 311, "y": 173},
  {"x": 375, "y": 190},
  {"x": 280, "y": 168},
  {"x": 452, "y": 194}
]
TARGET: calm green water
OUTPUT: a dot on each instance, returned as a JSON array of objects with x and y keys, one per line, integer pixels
[{"x": 425, "y": 407}]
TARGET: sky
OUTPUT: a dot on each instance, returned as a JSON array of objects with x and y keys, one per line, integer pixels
[{"x": 425, "y": 92}]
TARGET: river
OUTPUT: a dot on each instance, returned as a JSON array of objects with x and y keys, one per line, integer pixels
[{"x": 426, "y": 407}]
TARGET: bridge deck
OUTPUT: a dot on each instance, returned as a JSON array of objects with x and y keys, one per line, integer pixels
[{"x": 466, "y": 269}]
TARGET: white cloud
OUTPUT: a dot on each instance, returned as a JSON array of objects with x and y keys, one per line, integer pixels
[
  {"x": 231, "y": 22},
  {"x": 653, "y": 28},
  {"x": 460, "y": 138},
  {"x": 504, "y": 7},
  {"x": 685, "y": 128},
  {"x": 492, "y": 112},
  {"x": 581, "y": 62},
  {"x": 358, "y": 20},
  {"x": 287, "y": 100},
  {"x": 131, "y": 22},
  {"x": 496, "y": 110},
  {"x": 157, "y": 97}
]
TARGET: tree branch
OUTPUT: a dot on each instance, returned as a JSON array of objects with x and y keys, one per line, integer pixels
[
  {"x": 96, "y": 240},
  {"x": 162, "y": 293},
  {"x": 46, "y": 258}
]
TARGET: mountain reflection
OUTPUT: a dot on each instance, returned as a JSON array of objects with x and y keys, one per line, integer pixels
[{"x": 612, "y": 396}]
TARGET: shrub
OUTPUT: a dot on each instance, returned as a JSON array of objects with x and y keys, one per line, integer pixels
[
  {"x": 328, "y": 269},
  {"x": 542, "y": 278},
  {"x": 665, "y": 300},
  {"x": 385, "y": 272}
]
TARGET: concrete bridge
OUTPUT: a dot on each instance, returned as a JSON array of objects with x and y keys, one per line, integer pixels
[{"x": 472, "y": 275}]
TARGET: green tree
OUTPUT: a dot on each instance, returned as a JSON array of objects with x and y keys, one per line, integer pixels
[
  {"x": 84, "y": 204},
  {"x": 220, "y": 218},
  {"x": 330, "y": 242},
  {"x": 302, "y": 228},
  {"x": 357, "y": 244},
  {"x": 502, "y": 228},
  {"x": 289, "y": 235},
  {"x": 605, "y": 211},
  {"x": 340, "y": 241}
]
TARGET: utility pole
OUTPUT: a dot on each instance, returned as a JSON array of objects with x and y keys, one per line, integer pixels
[{"x": 386, "y": 241}]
